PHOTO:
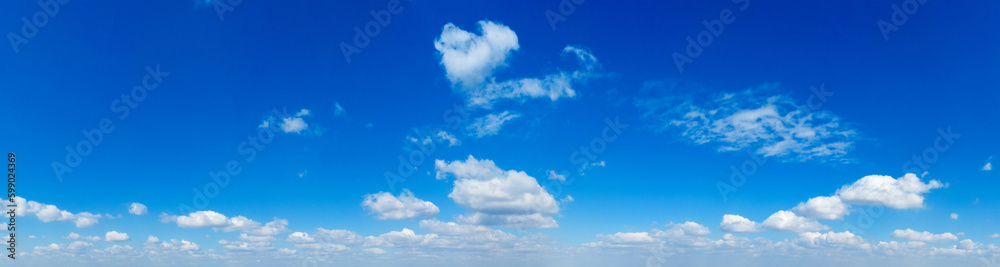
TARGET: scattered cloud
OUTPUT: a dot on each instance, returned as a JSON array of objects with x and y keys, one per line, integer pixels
[
  {"x": 903, "y": 193},
  {"x": 406, "y": 206},
  {"x": 51, "y": 213},
  {"x": 827, "y": 208},
  {"x": 490, "y": 124},
  {"x": 954, "y": 216},
  {"x": 759, "y": 119},
  {"x": 220, "y": 223},
  {"x": 787, "y": 221},
  {"x": 114, "y": 236},
  {"x": 739, "y": 224},
  {"x": 497, "y": 197},
  {"x": 910, "y": 234},
  {"x": 137, "y": 208}
]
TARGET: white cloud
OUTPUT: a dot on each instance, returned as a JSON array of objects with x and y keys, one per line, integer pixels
[
  {"x": 339, "y": 236},
  {"x": 995, "y": 235},
  {"x": 954, "y": 216},
  {"x": 787, "y": 221},
  {"x": 451, "y": 228},
  {"x": 498, "y": 198},
  {"x": 306, "y": 112},
  {"x": 490, "y": 124},
  {"x": 844, "y": 239},
  {"x": 827, "y": 208},
  {"x": 902, "y": 193},
  {"x": 468, "y": 58},
  {"x": 137, "y": 208},
  {"x": 406, "y": 206},
  {"x": 989, "y": 164},
  {"x": 452, "y": 141},
  {"x": 910, "y": 234},
  {"x": 246, "y": 246},
  {"x": 739, "y": 224},
  {"x": 79, "y": 246},
  {"x": 51, "y": 213},
  {"x": 627, "y": 238},
  {"x": 555, "y": 176},
  {"x": 293, "y": 125},
  {"x": 114, "y": 236},
  {"x": 300, "y": 237},
  {"x": 221, "y": 223},
  {"x": 376, "y": 251},
  {"x": 75, "y": 236},
  {"x": 470, "y": 61},
  {"x": 771, "y": 125},
  {"x": 256, "y": 238},
  {"x": 338, "y": 110}
]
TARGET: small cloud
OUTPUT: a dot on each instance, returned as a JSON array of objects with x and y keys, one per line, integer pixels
[
  {"x": 555, "y": 176},
  {"x": 137, "y": 209},
  {"x": 995, "y": 235},
  {"x": 303, "y": 173},
  {"x": 954, "y": 216},
  {"x": 989, "y": 164},
  {"x": 338, "y": 110},
  {"x": 598, "y": 164},
  {"x": 303, "y": 112},
  {"x": 114, "y": 236}
]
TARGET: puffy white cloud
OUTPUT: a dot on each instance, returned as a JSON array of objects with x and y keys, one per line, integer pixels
[
  {"x": 406, "y": 206},
  {"x": 496, "y": 197},
  {"x": 954, "y": 216},
  {"x": 468, "y": 58},
  {"x": 137, "y": 208},
  {"x": 827, "y": 208},
  {"x": 490, "y": 124},
  {"x": 300, "y": 237},
  {"x": 903, "y": 193},
  {"x": 470, "y": 61},
  {"x": 114, "y": 236},
  {"x": 51, "y": 213},
  {"x": 910, "y": 234},
  {"x": 219, "y": 222},
  {"x": 787, "y": 221},
  {"x": 738, "y": 224},
  {"x": 769, "y": 124}
]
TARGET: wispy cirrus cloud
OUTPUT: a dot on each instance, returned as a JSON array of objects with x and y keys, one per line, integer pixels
[{"x": 760, "y": 119}]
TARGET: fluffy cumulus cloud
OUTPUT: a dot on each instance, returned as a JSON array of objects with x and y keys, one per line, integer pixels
[
  {"x": 738, "y": 224},
  {"x": 489, "y": 124},
  {"x": 406, "y": 206},
  {"x": 912, "y": 235},
  {"x": 767, "y": 123},
  {"x": 137, "y": 208},
  {"x": 51, "y": 213},
  {"x": 498, "y": 197},
  {"x": 470, "y": 61},
  {"x": 470, "y": 58},
  {"x": 787, "y": 221},
  {"x": 114, "y": 236},
  {"x": 903, "y": 193},
  {"x": 75, "y": 236},
  {"x": 827, "y": 208},
  {"x": 221, "y": 223}
]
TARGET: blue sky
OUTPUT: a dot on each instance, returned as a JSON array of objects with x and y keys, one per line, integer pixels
[{"x": 535, "y": 133}]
